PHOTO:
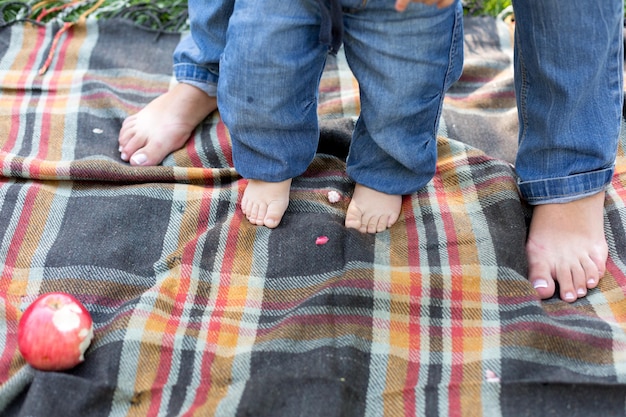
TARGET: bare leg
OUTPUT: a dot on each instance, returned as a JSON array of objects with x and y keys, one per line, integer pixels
[
  {"x": 566, "y": 244},
  {"x": 372, "y": 211},
  {"x": 264, "y": 203},
  {"x": 164, "y": 125}
]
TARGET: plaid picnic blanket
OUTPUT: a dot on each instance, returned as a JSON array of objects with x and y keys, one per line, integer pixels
[{"x": 198, "y": 313}]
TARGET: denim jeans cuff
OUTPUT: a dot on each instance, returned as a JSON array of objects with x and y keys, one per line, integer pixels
[
  {"x": 197, "y": 76},
  {"x": 565, "y": 189}
]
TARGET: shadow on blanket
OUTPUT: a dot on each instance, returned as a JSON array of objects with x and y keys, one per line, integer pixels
[{"x": 199, "y": 313}]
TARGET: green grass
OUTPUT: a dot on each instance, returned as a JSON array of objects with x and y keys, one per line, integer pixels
[
  {"x": 485, "y": 7},
  {"x": 168, "y": 15}
]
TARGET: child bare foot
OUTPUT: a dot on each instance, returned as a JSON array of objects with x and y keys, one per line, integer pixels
[
  {"x": 164, "y": 125},
  {"x": 566, "y": 243},
  {"x": 264, "y": 203},
  {"x": 372, "y": 211}
]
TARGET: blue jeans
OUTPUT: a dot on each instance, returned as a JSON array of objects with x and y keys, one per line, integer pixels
[
  {"x": 568, "y": 78},
  {"x": 270, "y": 69},
  {"x": 197, "y": 56}
]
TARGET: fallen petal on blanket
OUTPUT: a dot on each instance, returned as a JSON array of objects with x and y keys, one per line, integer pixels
[
  {"x": 491, "y": 376},
  {"x": 334, "y": 197},
  {"x": 322, "y": 240}
]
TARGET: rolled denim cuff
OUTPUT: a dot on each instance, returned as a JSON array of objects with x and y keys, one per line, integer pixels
[
  {"x": 565, "y": 189},
  {"x": 198, "y": 76}
]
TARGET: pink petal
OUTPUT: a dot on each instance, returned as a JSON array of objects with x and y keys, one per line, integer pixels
[
  {"x": 322, "y": 240},
  {"x": 491, "y": 376},
  {"x": 333, "y": 196}
]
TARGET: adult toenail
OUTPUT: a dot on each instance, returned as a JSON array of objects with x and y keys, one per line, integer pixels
[
  {"x": 591, "y": 281},
  {"x": 139, "y": 159},
  {"x": 540, "y": 283},
  {"x": 581, "y": 291},
  {"x": 570, "y": 296}
]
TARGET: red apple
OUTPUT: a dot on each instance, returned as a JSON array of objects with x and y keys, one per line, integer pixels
[{"x": 54, "y": 332}]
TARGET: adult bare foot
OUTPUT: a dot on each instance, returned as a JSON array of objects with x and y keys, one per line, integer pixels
[
  {"x": 264, "y": 203},
  {"x": 372, "y": 211},
  {"x": 164, "y": 125},
  {"x": 566, "y": 244}
]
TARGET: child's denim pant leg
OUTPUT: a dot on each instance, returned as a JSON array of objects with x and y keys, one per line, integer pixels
[
  {"x": 404, "y": 63},
  {"x": 197, "y": 56},
  {"x": 268, "y": 91},
  {"x": 569, "y": 76}
]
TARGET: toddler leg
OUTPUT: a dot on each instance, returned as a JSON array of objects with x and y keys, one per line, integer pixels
[
  {"x": 404, "y": 62},
  {"x": 267, "y": 95}
]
